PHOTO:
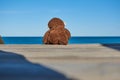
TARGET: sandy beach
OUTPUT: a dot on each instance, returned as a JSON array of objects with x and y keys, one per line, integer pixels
[{"x": 60, "y": 62}]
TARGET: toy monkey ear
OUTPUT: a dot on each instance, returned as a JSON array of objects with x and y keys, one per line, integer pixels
[{"x": 65, "y": 23}]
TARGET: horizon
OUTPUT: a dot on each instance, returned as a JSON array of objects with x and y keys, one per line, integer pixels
[
  {"x": 82, "y": 17},
  {"x": 71, "y": 36}
]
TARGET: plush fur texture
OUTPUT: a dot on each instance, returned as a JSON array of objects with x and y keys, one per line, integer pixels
[{"x": 57, "y": 34}]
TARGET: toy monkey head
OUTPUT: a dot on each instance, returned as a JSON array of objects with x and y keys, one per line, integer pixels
[{"x": 56, "y": 22}]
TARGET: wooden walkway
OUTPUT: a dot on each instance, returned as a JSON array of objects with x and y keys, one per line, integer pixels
[{"x": 60, "y": 62}]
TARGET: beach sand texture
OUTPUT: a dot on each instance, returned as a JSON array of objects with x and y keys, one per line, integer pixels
[{"x": 60, "y": 62}]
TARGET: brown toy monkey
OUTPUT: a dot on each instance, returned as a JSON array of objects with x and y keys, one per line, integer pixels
[{"x": 57, "y": 34}]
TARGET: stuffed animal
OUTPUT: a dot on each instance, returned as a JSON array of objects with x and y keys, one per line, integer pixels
[{"x": 57, "y": 33}]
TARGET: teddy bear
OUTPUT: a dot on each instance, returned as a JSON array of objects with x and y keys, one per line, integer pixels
[{"x": 57, "y": 33}]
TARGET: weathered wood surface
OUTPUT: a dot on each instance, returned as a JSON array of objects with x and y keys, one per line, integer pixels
[{"x": 77, "y": 62}]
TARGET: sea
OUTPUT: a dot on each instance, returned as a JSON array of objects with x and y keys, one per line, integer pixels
[{"x": 72, "y": 40}]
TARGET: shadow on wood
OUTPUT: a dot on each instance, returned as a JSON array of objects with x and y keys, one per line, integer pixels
[
  {"x": 16, "y": 67},
  {"x": 113, "y": 46}
]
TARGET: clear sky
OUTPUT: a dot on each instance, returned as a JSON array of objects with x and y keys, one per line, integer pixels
[{"x": 82, "y": 17}]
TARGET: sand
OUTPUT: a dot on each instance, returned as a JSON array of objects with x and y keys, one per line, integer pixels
[{"x": 60, "y": 62}]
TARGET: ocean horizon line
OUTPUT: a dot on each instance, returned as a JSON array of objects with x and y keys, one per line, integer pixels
[
  {"x": 72, "y": 40},
  {"x": 71, "y": 36}
]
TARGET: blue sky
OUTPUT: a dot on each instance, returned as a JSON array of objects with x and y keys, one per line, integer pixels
[{"x": 82, "y": 17}]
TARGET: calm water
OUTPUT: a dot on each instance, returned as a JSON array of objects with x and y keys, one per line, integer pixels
[{"x": 73, "y": 40}]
